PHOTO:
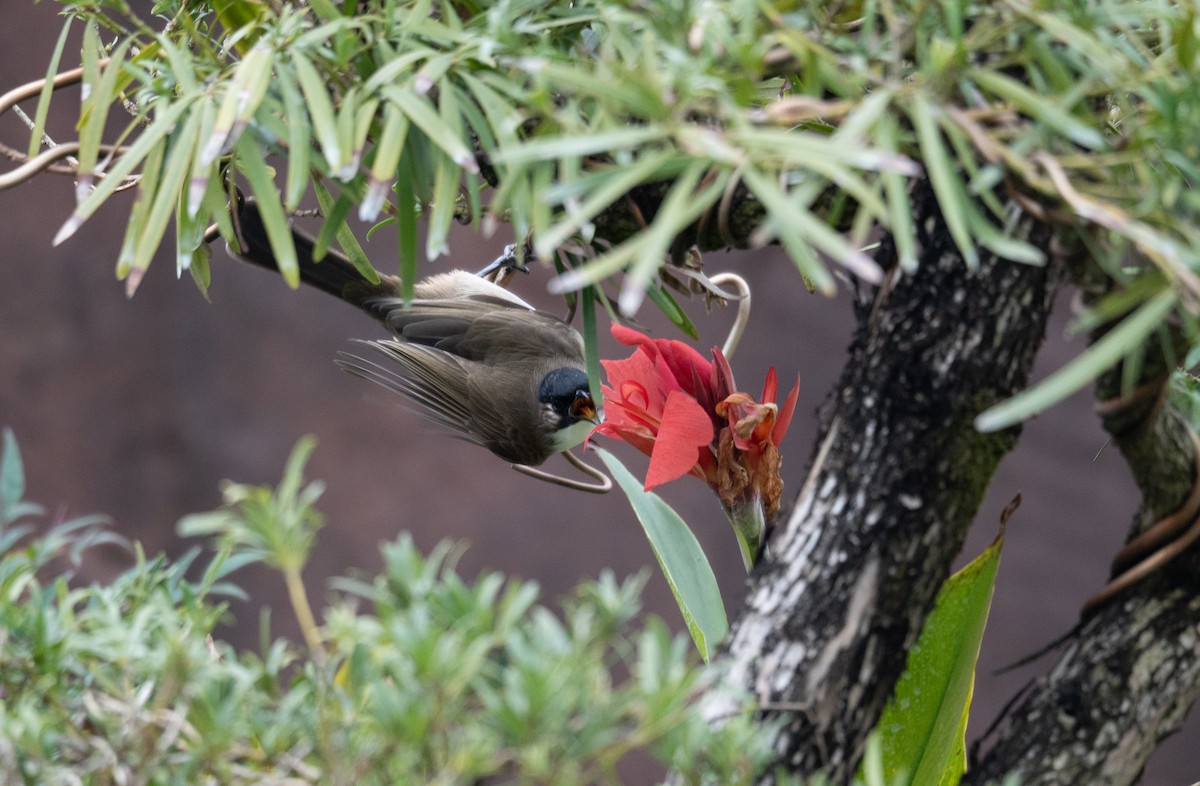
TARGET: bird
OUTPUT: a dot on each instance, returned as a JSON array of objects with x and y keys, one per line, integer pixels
[{"x": 465, "y": 352}]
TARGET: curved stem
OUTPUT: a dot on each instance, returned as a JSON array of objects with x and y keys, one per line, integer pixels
[
  {"x": 743, "y": 310},
  {"x": 602, "y": 485}
]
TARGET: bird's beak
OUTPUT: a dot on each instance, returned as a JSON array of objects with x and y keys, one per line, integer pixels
[{"x": 584, "y": 408}]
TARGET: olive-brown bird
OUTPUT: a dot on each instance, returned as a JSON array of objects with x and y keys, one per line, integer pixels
[{"x": 468, "y": 353}]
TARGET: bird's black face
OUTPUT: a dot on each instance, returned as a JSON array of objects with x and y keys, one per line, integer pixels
[
  {"x": 567, "y": 406},
  {"x": 564, "y": 392}
]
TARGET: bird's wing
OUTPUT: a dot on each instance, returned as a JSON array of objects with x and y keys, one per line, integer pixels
[
  {"x": 481, "y": 328},
  {"x": 431, "y": 379}
]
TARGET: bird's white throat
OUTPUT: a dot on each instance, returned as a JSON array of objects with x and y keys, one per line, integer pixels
[{"x": 572, "y": 435}]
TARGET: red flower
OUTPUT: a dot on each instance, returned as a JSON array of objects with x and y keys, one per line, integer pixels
[{"x": 687, "y": 415}]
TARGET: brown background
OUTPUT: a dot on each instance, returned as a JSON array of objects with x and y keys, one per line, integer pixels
[{"x": 138, "y": 408}]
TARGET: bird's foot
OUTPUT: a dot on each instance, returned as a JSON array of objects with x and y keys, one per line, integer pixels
[{"x": 501, "y": 270}]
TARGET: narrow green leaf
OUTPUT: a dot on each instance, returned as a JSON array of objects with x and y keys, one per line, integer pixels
[
  {"x": 335, "y": 227},
  {"x": 682, "y": 205},
  {"x": 1090, "y": 363},
  {"x": 922, "y": 728},
  {"x": 603, "y": 189},
  {"x": 591, "y": 343},
  {"x": 786, "y": 226},
  {"x": 299, "y": 141},
  {"x": 408, "y": 236},
  {"x": 198, "y": 185},
  {"x": 1001, "y": 244},
  {"x": 900, "y": 208},
  {"x": 170, "y": 189},
  {"x": 254, "y": 167},
  {"x": 139, "y": 213},
  {"x": 1039, "y": 108},
  {"x": 12, "y": 477},
  {"x": 671, "y": 309},
  {"x": 243, "y": 94},
  {"x": 146, "y": 142},
  {"x": 92, "y": 112},
  {"x": 320, "y": 112},
  {"x": 578, "y": 145},
  {"x": 439, "y": 132},
  {"x": 681, "y": 559},
  {"x": 47, "y": 92},
  {"x": 946, "y": 184},
  {"x": 387, "y": 157}
]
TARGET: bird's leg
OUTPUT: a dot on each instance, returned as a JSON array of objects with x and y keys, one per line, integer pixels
[{"x": 500, "y": 271}]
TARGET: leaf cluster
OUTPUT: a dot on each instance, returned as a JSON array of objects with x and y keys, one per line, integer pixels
[
  {"x": 428, "y": 677},
  {"x": 547, "y": 115}
]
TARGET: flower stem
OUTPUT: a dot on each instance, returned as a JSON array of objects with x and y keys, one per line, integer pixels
[
  {"x": 750, "y": 526},
  {"x": 304, "y": 615}
]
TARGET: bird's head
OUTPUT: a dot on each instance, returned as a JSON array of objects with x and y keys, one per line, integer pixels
[{"x": 567, "y": 406}]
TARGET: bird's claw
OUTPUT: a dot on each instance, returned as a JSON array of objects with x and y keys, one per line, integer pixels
[{"x": 501, "y": 269}]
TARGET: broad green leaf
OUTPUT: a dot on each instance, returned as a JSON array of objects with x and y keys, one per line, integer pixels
[
  {"x": 922, "y": 728},
  {"x": 682, "y": 560},
  {"x": 1083, "y": 369},
  {"x": 12, "y": 477}
]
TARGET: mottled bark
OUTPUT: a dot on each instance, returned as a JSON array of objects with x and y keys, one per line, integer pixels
[
  {"x": 1131, "y": 671},
  {"x": 899, "y": 474}
]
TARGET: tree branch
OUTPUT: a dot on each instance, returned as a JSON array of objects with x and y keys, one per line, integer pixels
[
  {"x": 898, "y": 477},
  {"x": 1132, "y": 669}
]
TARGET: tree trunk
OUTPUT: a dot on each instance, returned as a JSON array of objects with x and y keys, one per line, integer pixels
[{"x": 898, "y": 476}]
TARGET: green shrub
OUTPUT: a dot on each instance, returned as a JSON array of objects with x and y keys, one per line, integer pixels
[{"x": 418, "y": 676}]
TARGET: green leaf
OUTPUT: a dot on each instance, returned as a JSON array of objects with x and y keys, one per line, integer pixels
[
  {"x": 682, "y": 560},
  {"x": 591, "y": 343},
  {"x": 922, "y": 728},
  {"x": 12, "y": 477},
  {"x": 47, "y": 91},
  {"x": 147, "y": 142},
  {"x": 1083, "y": 369},
  {"x": 252, "y": 164},
  {"x": 945, "y": 180},
  {"x": 421, "y": 112},
  {"x": 1039, "y": 108},
  {"x": 335, "y": 228}
]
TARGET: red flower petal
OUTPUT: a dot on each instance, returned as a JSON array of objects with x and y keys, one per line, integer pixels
[
  {"x": 686, "y": 429},
  {"x": 785, "y": 414},
  {"x": 770, "y": 387}
]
